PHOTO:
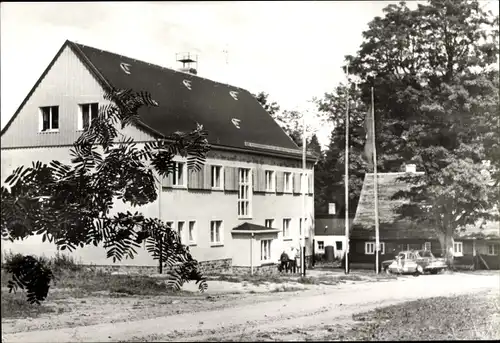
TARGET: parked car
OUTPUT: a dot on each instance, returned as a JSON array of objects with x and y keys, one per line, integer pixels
[
  {"x": 414, "y": 262},
  {"x": 430, "y": 263}
]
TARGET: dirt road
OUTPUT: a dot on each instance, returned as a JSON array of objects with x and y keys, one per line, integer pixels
[{"x": 289, "y": 314}]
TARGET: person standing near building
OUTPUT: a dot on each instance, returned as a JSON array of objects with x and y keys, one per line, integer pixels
[
  {"x": 297, "y": 259},
  {"x": 284, "y": 262}
]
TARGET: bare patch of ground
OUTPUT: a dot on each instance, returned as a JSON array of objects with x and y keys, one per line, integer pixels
[{"x": 233, "y": 311}]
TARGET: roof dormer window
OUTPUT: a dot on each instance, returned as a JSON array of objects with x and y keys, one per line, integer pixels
[
  {"x": 234, "y": 94},
  {"x": 125, "y": 67}
]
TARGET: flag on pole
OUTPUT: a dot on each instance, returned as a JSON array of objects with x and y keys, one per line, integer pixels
[{"x": 369, "y": 143}]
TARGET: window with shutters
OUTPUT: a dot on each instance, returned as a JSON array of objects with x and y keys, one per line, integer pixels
[
  {"x": 179, "y": 175},
  {"x": 370, "y": 248},
  {"x": 265, "y": 249},
  {"x": 217, "y": 177},
  {"x": 87, "y": 113},
  {"x": 244, "y": 193},
  {"x": 216, "y": 232},
  {"x": 269, "y": 223},
  {"x": 303, "y": 183},
  {"x": 286, "y": 228},
  {"x": 49, "y": 119},
  {"x": 287, "y": 180},
  {"x": 192, "y": 232},
  {"x": 270, "y": 181}
]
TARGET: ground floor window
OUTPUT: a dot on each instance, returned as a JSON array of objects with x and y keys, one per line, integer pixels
[
  {"x": 338, "y": 245},
  {"x": 370, "y": 248},
  {"x": 458, "y": 249},
  {"x": 321, "y": 245},
  {"x": 265, "y": 249},
  {"x": 427, "y": 246},
  {"x": 492, "y": 249},
  {"x": 216, "y": 232}
]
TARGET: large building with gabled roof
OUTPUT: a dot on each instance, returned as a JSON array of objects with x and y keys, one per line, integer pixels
[{"x": 253, "y": 177}]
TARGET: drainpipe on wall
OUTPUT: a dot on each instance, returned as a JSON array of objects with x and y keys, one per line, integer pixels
[
  {"x": 160, "y": 190},
  {"x": 251, "y": 254}
]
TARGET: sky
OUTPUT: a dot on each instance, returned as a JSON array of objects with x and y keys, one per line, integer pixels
[{"x": 292, "y": 50}]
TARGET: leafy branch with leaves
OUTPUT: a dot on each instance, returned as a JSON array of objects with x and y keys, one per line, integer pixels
[{"x": 71, "y": 205}]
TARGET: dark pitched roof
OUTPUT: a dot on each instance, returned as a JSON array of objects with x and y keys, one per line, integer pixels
[
  {"x": 253, "y": 228},
  {"x": 389, "y": 224},
  {"x": 185, "y": 100}
]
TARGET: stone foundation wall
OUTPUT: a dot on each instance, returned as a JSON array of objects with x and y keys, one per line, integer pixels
[
  {"x": 223, "y": 266},
  {"x": 206, "y": 267},
  {"x": 267, "y": 269}
]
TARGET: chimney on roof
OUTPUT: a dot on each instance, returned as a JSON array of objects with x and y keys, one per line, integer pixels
[
  {"x": 189, "y": 62},
  {"x": 411, "y": 168}
]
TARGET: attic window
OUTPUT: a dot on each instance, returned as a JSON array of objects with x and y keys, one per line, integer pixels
[
  {"x": 49, "y": 119},
  {"x": 234, "y": 94},
  {"x": 187, "y": 83},
  {"x": 236, "y": 122},
  {"x": 88, "y": 113},
  {"x": 125, "y": 67}
]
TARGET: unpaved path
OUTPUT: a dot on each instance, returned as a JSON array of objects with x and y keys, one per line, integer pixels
[{"x": 291, "y": 314}]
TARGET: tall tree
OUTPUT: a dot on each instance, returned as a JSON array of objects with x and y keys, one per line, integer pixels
[
  {"x": 314, "y": 146},
  {"x": 70, "y": 205},
  {"x": 436, "y": 89},
  {"x": 329, "y": 180},
  {"x": 289, "y": 121}
]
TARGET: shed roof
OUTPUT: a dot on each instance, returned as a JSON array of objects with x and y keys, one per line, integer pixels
[
  {"x": 393, "y": 227},
  {"x": 390, "y": 225}
]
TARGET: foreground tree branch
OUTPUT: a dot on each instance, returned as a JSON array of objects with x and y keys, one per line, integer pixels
[{"x": 70, "y": 205}]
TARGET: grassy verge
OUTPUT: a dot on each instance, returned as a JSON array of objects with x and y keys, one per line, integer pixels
[{"x": 444, "y": 318}]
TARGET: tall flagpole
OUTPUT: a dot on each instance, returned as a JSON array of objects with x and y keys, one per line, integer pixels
[
  {"x": 346, "y": 177},
  {"x": 375, "y": 190},
  {"x": 304, "y": 183}
]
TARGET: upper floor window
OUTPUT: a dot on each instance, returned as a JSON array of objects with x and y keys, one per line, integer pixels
[
  {"x": 244, "y": 192},
  {"x": 270, "y": 181},
  {"x": 287, "y": 178},
  {"x": 217, "y": 177},
  {"x": 303, "y": 183},
  {"x": 269, "y": 223},
  {"x": 88, "y": 112},
  {"x": 178, "y": 175},
  {"x": 49, "y": 118}
]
